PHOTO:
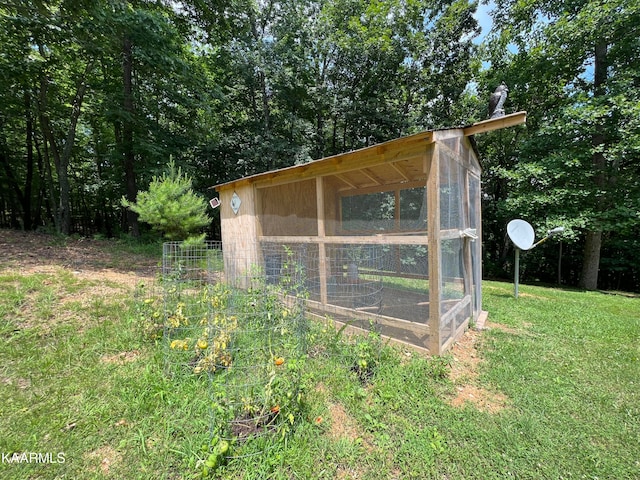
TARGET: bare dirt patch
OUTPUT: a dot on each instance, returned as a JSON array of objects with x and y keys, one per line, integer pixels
[
  {"x": 21, "y": 383},
  {"x": 87, "y": 259},
  {"x": 91, "y": 293},
  {"x": 32, "y": 252},
  {"x": 121, "y": 358},
  {"x": 342, "y": 425},
  {"x": 464, "y": 375},
  {"x": 79, "y": 274},
  {"x": 345, "y": 472},
  {"x": 104, "y": 459}
]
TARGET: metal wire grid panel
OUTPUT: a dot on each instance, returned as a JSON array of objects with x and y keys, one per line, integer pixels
[
  {"x": 246, "y": 337},
  {"x": 239, "y": 321},
  {"x": 380, "y": 288}
]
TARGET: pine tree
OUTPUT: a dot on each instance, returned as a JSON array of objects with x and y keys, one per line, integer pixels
[{"x": 170, "y": 206}]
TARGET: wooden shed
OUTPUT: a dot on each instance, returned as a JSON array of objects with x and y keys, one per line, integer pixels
[{"x": 388, "y": 236}]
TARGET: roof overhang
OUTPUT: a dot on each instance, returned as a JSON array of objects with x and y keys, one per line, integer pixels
[{"x": 381, "y": 152}]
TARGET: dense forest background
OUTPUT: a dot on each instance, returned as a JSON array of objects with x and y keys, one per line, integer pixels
[{"x": 97, "y": 95}]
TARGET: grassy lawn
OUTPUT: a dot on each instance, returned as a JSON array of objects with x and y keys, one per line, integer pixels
[{"x": 550, "y": 392}]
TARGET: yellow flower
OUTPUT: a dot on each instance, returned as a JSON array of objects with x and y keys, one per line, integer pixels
[
  {"x": 225, "y": 359},
  {"x": 180, "y": 345}
]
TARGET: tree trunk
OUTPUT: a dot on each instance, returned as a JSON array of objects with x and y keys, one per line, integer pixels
[
  {"x": 28, "y": 185},
  {"x": 593, "y": 240},
  {"x": 127, "y": 135},
  {"x": 319, "y": 132},
  {"x": 62, "y": 159},
  {"x": 42, "y": 185},
  {"x": 23, "y": 197},
  {"x": 591, "y": 260},
  {"x": 13, "y": 184},
  {"x": 266, "y": 116},
  {"x": 10, "y": 176},
  {"x": 47, "y": 183}
]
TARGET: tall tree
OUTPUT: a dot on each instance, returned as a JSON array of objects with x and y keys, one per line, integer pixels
[
  {"x": 151, "y": 90},
  {"x": 127, "y": 131},
  {"x": 57, "y": 41},
  {"x": 313, "y": 78},
  {"x": 95, "y": 92},
  {"x": 575, "y": 69}
]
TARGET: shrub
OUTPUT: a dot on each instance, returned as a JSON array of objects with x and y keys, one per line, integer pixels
[{"x": 171, "y": 207}]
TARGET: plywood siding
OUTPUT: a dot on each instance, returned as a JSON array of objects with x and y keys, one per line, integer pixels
[
  {"x": 331, "y": 205},
  {"x": 239, "y": 232},
  {"x": 288, "y": 209}
]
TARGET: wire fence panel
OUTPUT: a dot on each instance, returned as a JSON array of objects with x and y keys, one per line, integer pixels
[
  {"x": 246, "y": 338},
  {"x": 243, "y": 334}
]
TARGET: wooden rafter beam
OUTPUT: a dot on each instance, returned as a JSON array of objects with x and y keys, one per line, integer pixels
[
  {"x": 496, "y": 123},
  {"x": 341, "y": 177},
  {"x": 400, "y": 171},
  {"x": 371, "y": 176}
]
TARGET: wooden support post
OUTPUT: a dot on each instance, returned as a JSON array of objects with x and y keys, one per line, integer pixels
[
  {"x": 467, "y": 243},
  {"x": 433, "y": 232},
  {"x": 322, "y": 252},
  {"x": 478, "y": 257},
  {"x": 398, "y": 257}
]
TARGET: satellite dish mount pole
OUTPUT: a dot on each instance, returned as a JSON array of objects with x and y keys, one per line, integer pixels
[
  {"x": 516, "y": 275},
  {"x": 522, "y": 235}
]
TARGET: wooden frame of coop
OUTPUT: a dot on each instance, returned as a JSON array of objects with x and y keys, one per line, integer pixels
[{"x": 385, "y": 237}]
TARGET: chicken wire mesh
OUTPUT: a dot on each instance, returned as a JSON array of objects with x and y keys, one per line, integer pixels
[
  {"x": 245, "y": 337},
  {"x": 357, "y": 276},
  {"x": 380, "y": 288}
]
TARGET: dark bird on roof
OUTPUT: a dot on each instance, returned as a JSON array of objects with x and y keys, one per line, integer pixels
[{"x": 496, "y": 102}]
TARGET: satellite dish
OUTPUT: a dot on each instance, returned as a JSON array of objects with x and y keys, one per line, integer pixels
[{"x": 521, "y": 234}]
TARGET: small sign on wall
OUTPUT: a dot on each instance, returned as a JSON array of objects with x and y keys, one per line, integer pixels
[
  {"x": 235, "y": 203},
  {"x": 214, "y": 202}
]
